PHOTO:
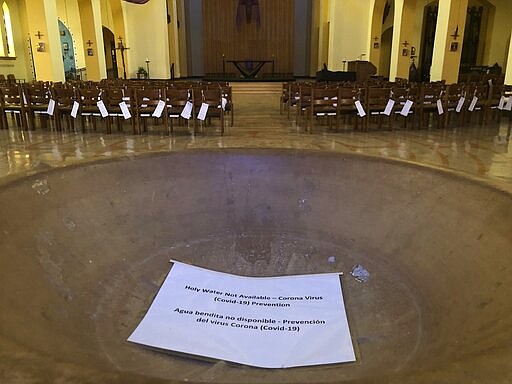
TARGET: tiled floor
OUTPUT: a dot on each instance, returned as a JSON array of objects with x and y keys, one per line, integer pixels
[{"x": 481, "y": 152}]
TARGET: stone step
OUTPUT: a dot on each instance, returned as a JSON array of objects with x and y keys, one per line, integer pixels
[{"x": 256, "y": 87}]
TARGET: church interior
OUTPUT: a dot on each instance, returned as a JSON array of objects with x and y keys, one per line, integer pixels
[{"x": 259, "y": 138}]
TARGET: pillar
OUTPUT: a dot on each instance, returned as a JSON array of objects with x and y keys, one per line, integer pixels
[
  {"x": 451, "y": 17},
  {"x": 403, "y": 31},
  {"x": 90, "y": 17},
  {"x": 508, "y": 69},
  {"x": 43, "y": 28},
  {"x": 375, "y": 25}
]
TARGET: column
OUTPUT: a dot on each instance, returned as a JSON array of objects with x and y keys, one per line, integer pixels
[
  {"x": 451, "y": 18},
  {"x": 90, "y": 17},
  {"x": 44, "y": 35},
  {"x": 403, "y": 31}
]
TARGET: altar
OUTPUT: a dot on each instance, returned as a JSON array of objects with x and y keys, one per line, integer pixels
[{"x": 248, "y": 68}]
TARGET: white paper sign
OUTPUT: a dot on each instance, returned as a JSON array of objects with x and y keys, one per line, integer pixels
[
  {"x": 440, "y": 109},
  {"x": 159, "y": 109},
  {"x": 501, "y": 103},
  {"x": 274, "y": 322},
  {"x": 51, "y": 107},
  {"x": 473, "y": 104},
  {"x": 360, "y": 109},
  {"x": 187, "y": 110},
  {"x": 102, "y": 108},
  {"x": 74, "y": 110},
  {"x": 407, "y": 107},
  {"x": 460, "y": 104},
  {"x": 224, "y": 102},
  {"x": 508, "y": 106},
  {"x": 203, "y": 111},
  {"x": 124, "y": 110},
  {"x": 389, "y": 107}
]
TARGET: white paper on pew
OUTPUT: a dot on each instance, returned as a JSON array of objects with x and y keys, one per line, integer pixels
[
  {"x": 249, "y": 320},
  {"x": 159, "y": 109},
  {"x": 508, "y": 106},
  {"x": 224, "y": 102},
  {"x": 360, "y": 109},
  {"x": 389, "y": 107},
  {"x": 24, "y": 98},
  {"x": 440, "y": 109},
  {"x": 51, "y": 107},
  {"x": 102, "y": 108},
  {"x": 460, "y": 104},
  {"x": 187, "y": 110},
  {"x": 202, "y": 111},
  {"x": 490, "y": 82},
  {"x": 407, "y": 107},
  {"x": 501, "y": 103},
  {"x": 473, "y": 104},
  {"x": 124, "y": 110},
  {"x": 74, "y": 109}
]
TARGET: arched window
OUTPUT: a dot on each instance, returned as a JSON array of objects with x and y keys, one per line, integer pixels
[{"x": 8, "y": 38}]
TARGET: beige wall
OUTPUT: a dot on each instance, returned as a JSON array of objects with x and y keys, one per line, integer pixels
[
  {"x": 142, "y": 21},
  {"x": 500, "y": 27},
  {"x": 348, "y": 34}
]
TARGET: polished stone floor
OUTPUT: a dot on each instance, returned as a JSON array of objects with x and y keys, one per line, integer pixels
[{"x": 475, "y": 151}]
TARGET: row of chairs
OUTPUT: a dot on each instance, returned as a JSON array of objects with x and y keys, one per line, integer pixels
[
  {"x": 142, "y": 104},
  {"x": 416, "y": 103}
]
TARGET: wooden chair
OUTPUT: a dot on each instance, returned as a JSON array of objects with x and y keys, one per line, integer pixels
[
  {"x": 454, "y": 103},
  {"x": 88, "y": 99},
  {"x": 212, "y": 97},
  {"x": 304, "y": 101},
  {"x": 477, "y": 101},
  {"x": 177, "y": 98},
  {"x": 227, "y": 102},
  {"x": 65, "y": 97},
  {"x": 405, "y": 95},
  {"x": 147, "y": 101},
  {"x": 113, "y": 97},
  {"x": 347, "y": 96},
  {"x": 377, "y": 99},
  {"x": 429, "y": 96},
  {"x": 12, "y": 103},
  {"x": 37, "y": 100},
  {"x": 493, "y": 110},
  {"x": 323, "y": 103}
]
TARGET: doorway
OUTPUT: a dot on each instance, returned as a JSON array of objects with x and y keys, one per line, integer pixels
[
  {"x": 68, "y": 52},
  {"x": 109, "y": 42}
]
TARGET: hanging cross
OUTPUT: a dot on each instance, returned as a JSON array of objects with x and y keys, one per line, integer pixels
[
  {"x": 89, "y": 42},
  {"x": 405, "y": 43},
  {"x": 39, "y": 35}
]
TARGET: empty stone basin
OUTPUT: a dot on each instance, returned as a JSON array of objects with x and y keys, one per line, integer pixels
[{"x": 84, "y": 249}]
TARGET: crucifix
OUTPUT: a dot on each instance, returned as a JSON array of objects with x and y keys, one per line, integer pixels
[
  {"x": 89, "y": 43},
  {"x": 39, "y": 35},
  {"x": 122, "y": 48},
  {"x": 405, "y": 43}
]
